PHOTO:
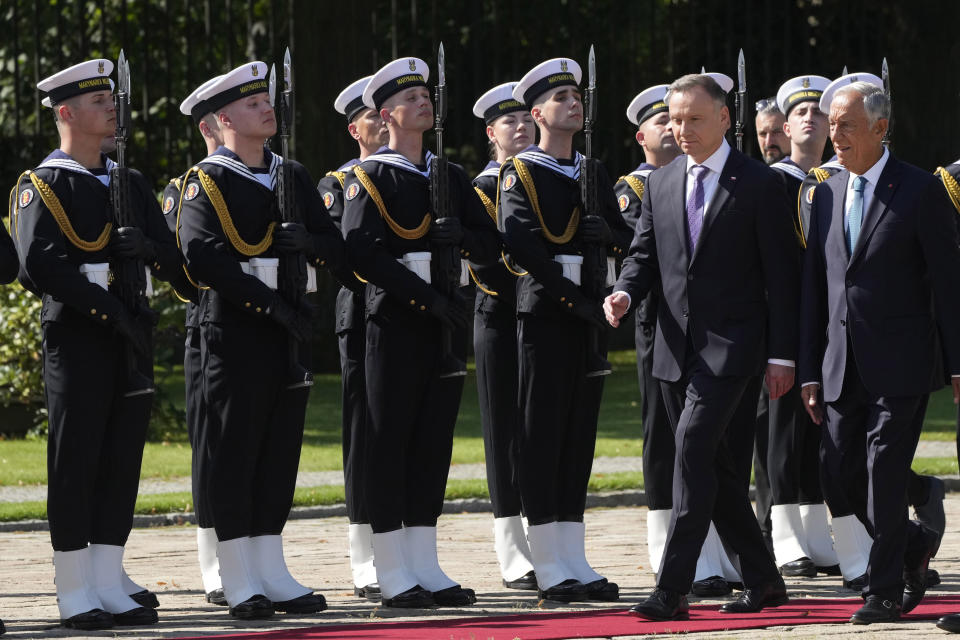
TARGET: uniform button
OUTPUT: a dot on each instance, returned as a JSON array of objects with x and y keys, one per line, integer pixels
[
  {"x": 93, "y": 312},
  {"x": 466, "y": 254},
  {"x": 103, "y": 317},
  {"x": 570, "y": 304},
  {"x": 246, "y": 304},
  {"x": 412, "y": 301},
  {"x": 323, "y": 262},
  {"x": 423, "y": 308},
  {"x": 258, "y": 309},
  {"x": 563, "y": 298}
]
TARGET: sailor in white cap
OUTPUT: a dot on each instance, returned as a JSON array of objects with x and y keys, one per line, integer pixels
[
  {"x": 510, "y": 130},
  {"x": 364, "y": 125},
  {"x": 62, "y": 216},
  {"x": 389, "y": 225},
  {"x": 540, "y": 216},
  {"x": 231, "y": 242},
  {"x": 209, "y": 130}
]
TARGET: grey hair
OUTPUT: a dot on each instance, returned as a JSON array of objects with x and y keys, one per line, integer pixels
[
  {"x": 685, "y": 83},
  {"x": 875, "y": 101},
  {"x": 770, "y": 108}
]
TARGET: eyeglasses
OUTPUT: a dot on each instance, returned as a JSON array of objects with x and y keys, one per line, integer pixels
[{"x": 765, "y": 104}]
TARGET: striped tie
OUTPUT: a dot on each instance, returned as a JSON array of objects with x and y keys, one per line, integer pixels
[{"x": 695, "y": 206}]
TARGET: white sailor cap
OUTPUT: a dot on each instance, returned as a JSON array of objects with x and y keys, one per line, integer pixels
[
  {"x": 350, "y": 100},
  {"x": 86, "y": 77},
  {"x": 497, "y": 102},
  {"x": 647, "y": 104},
  {"x": 843, "y": 81},
  {"x": 246, "y": 80},
  {"x": 800, "y": 89},
  {"x": 722, "y": 79},
  {"x": 193, "y": 106},
  {"x": 394, "y": 77},
  {"x": 556, "y": 72}
]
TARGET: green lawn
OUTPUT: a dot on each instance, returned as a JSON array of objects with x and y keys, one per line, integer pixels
[{"x": 24, "y": 461}]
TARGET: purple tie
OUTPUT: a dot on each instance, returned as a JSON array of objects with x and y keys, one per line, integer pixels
[{"x": 695, "y": 206}]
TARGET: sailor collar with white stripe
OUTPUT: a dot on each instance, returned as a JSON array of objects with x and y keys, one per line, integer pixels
[
  {"x": 492, "y": 170},
  {"x": 386, "y": 155},
  {"x": 644, "y": 170},
  {"x": 832, "y": 163},
  {"x": 790, "y": 167},
  {"x": 535, "y": 154},
  {"x": 60, "y": 159},
  {"x": 349, "y": 164},
  {"x": 227, "y": 159}
]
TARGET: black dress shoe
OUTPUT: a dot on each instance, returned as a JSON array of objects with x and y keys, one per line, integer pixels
[
  {"x": 216, "y": 597},
  {"x": 257, "y": 606},
  {"x": 876, "y": 609},
  {"x": 3, "y": 629},
  {"x": 711, "y": 587},
  {"x": 930, "y": 513},
  {"x": 135, "y": 617},
  {"x": 603, "y": 590},
  {"x": 662, "y": 605},
  {"x": 915, "y": 571},
  {"x": 801, "y": 567},
  {"x": 370, "y": 592},
  {"x": 455, "y": 596},
  {"x": 413, "y": 598},
  {"x": 950, "y": 623},
  {"x": 145, "y": 599},
  {"x": 567, "y": 591},
  {"x": 857, "y": 584},
  {"x": 90, "y": 620},
  {"x": 526, "y": 582},
  {"x": 832, "y": 570},
  {"x": 307, "y": 603},
  {"x": 933, "y": 577},
  {"x": 772, "y": 594}
]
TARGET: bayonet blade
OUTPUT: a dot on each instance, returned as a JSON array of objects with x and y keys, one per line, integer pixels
[
  {"x": 272, "y": 87},
  {"x": 885, "y": 75},
  {"x": 741, "y": 73},
  {"x": 441, "y": 68},
  {"x": 844, "y": 72},
  {"x": 287, "y": 71},
  {"x": 592, "y": 69},
  {"x": 703, "y": 70},
  {"x": 122, "y": 78}
]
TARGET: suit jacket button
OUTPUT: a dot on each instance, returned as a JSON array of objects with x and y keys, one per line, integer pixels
[
  {"x": 849, "y": 283},
  {"x": 843, "y": 323},
  {"x": 689, "y": 276},
  {"x": 685, "y": 314}
]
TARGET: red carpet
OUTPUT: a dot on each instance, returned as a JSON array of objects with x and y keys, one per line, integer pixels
[{"x": 611, "y": 622}]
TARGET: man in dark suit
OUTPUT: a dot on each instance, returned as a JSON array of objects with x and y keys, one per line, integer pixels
[
  {"x": 710, "y": 234},
  {"x": 881, "y": 258}
]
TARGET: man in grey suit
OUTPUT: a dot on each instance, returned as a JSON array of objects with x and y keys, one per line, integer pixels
[
  {"x": 880, "y": 277},
  {"x": 715, "y": 232}
]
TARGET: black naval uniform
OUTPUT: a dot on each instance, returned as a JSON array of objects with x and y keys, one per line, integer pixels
[
  {"x": 192, "y": 368},
  {"x": 255, "y": 422},
  {"x": 411, "y": 410},
  {"x": 8, "y": 257},
  {"x": 558, "y": 404},
  {"x": 658, "y": 443},
  {"x": 950, "y": 177},
  {"x": 61, "y": 220},
  {"x": 351, "y": 339},
  {"x": 495, "y": 350}
]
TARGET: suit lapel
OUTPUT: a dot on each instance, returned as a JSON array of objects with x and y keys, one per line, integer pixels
[
  {"x": 725, "y": 188},
  {"x": 677, "y": 183},
  {"x": 879, "y": 205},
  {"x": 838, "y": 228}
]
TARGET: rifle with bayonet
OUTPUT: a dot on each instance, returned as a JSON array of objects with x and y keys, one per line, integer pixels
[
  {"x": 885, "y": 76},
  {"x": 445, "y": 259},
  {"x": 292, "y": 269},
  {"x": 594, "y": 272},
  {"x": 741, "y": 99},
  {"x": 129, "y": 273}
]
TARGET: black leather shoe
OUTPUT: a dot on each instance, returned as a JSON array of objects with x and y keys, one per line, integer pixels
[
  {"x": 915, "y": 571},
  {"x": 832, "y": 570},
  {"x": 567, "y": 591},
  {"x": 876, "y": 609},
  {"x": 307, "y": 603},
  {"x": 857, "y": 584},
  {"x": 950, "y": 623},
  {"x": 526, "y": 582},
  {"x": 145, "y": 599},
  {"x": 216, "y": 597},
  {"x": 711, "y": 587},
  {"x": 413, "y": 598},
  {"x": 933, "y": 577},
  {"x": 662, "y": 605},
  {"x": 90, "y": 620},
  {"x": 801, "y": 567},
  {"x": 930, "y": 514},
  {"x": 772, "y": 594},
  {"x": 135, "y": 617},
  {"x": 370, "y": 592},
  {"x": 603, "y": 590},
  {"x": 455, "y": 596},
  {"x": 257, "y": 606},
  {"x": 3, "y": 629}
]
